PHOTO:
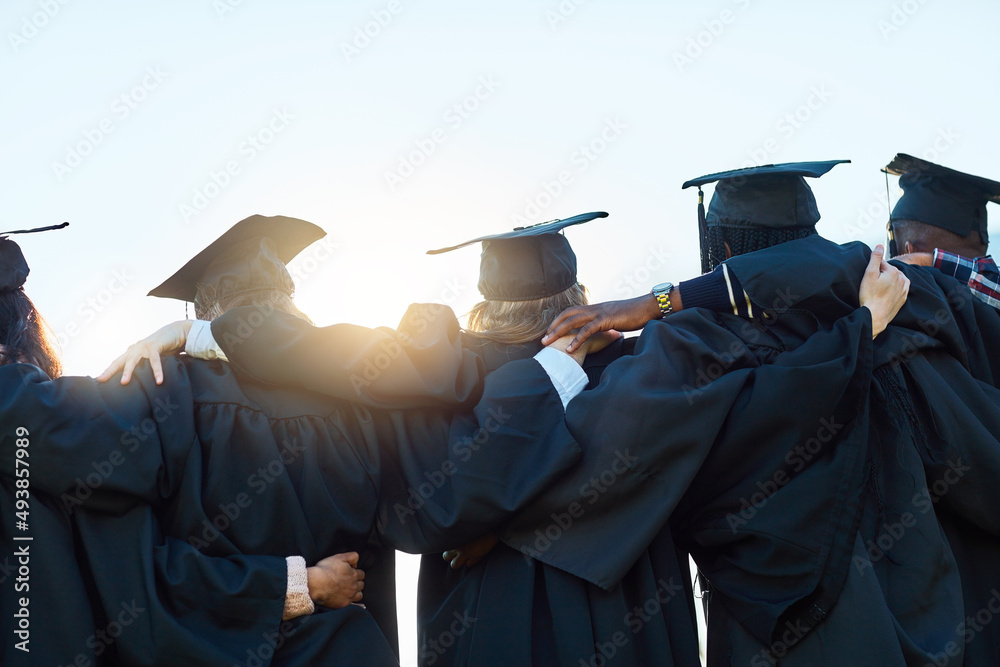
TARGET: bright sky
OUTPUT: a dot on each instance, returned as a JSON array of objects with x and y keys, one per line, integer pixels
[{"x": 401, "y": 126}]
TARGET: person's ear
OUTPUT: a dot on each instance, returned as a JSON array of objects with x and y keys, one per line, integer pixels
[
  {"x": 729, "y": 253},
  {"x": 907, "y": 247}
]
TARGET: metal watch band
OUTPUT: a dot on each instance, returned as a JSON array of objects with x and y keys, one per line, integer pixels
[{"x": 662, "y": 294}]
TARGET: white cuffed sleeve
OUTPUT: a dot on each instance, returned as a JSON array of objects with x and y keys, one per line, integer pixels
[
  {"x": 567, "y": 375},
  {"x": 201, "y": 343}
]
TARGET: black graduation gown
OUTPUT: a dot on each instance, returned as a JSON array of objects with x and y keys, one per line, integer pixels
[
  {"x": 698, "y": 384},
  {"x": 58, "y": 617},
  {"x": 423, "y": 363},
  {"x": 236, "y": 470},
  {"x": 780, "y": 496},
  {"x": 942, "y": 348},
  {"x": 777, "y": 579},
  {"x": 509, "y": 609},
  {"x": 793, "y": 566},
  {"x": 115, "y": 457}
]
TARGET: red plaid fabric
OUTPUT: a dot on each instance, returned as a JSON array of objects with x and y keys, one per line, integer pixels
[{"x": 980, "y": 274}]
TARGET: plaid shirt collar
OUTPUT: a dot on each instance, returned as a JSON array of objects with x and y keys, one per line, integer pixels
[{"x": 980, "y": 274}]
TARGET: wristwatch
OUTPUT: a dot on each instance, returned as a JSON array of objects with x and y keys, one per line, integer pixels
[{"x": 662, "y": 294}]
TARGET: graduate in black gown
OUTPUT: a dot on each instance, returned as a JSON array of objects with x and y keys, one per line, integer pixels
[
  {"x": 899, "y": 523},
  {"x": 243, "y": 472},
  {"x": 54, "y": 608},
  {"x": 941, "y": 220},
  {"x": 70, "y": 618},
  {"x": 35, "y": 529},
  {"x": 527, "y": 612},
  {"x": 935, "y": 449}
]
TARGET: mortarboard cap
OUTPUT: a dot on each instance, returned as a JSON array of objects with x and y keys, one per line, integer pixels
[
  {"x": 527, "y": 263},
  {"x": 13, "y": 268},
  {"x": 251, "y": 255},
  {"x": 774, "y": 196},
  {"x": 942, "y": 197}
]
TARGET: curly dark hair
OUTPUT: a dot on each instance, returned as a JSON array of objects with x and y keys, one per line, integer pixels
[
  {"x": 25, "y": 336},
  {"x": 744, "y": 239}
]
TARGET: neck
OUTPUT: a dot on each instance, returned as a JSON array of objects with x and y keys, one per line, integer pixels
[{"x": 965, "y": 250}]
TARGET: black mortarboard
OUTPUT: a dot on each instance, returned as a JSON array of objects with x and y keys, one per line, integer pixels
[
  {"x": 251, "y": 255},
  {"x": 527, "y": 263},
  {"x": 942, "y": 197},
  {"x": 13, "y": 269},
  {"x": 775, "y": 196}
]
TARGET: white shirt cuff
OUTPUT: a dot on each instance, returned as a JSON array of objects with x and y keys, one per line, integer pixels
[
  {"x": 201, "y": 344},
  {"x": 567, "y": 375},
  {"x": 297, "y": 600}
]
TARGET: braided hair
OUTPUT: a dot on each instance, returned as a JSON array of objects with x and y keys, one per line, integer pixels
[{"x": 743, "y": 239}]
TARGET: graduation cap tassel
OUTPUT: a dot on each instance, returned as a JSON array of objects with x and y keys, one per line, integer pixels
[
  {"x": 13, "y": 269},
  {"x": 890, "y": 239},
  {"x": 703, "y": 233},
  {"x": 36, "y": 229}
]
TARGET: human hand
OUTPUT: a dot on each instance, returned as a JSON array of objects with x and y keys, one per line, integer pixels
[
  {"x": 595, "y": 343},
  {"x": 883, "y": 290},
  {"x": 336, "y": 582},
  {"x": 626, "y": 315},
  {"x": 166, "y": 341},
  {"x": 917, "y": 258},
  {"x": 471, "y": 553}
]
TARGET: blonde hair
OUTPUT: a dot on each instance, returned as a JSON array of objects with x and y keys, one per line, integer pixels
[
  {"x": 518, "y": 322},
  {"x": 210, "y": 304}
]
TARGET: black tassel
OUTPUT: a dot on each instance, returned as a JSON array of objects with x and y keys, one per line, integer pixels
[
  {"x": 890, "y": 238},
  {"x": 706, "y": 260},
  {"x": 37, "y": 229}
]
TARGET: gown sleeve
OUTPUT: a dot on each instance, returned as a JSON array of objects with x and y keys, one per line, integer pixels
[
  {"x": 100, "y": 446},
  {"x": 819, "y": 277},
  {"x": 177, "y": 605},
  {"x": 421, "y": 364},
  {"x": 944, "y": 337},
  {"x": 449, "y": 477}
]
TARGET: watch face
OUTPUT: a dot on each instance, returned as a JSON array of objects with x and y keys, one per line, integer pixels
[{"x": 663, "y": 287}]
